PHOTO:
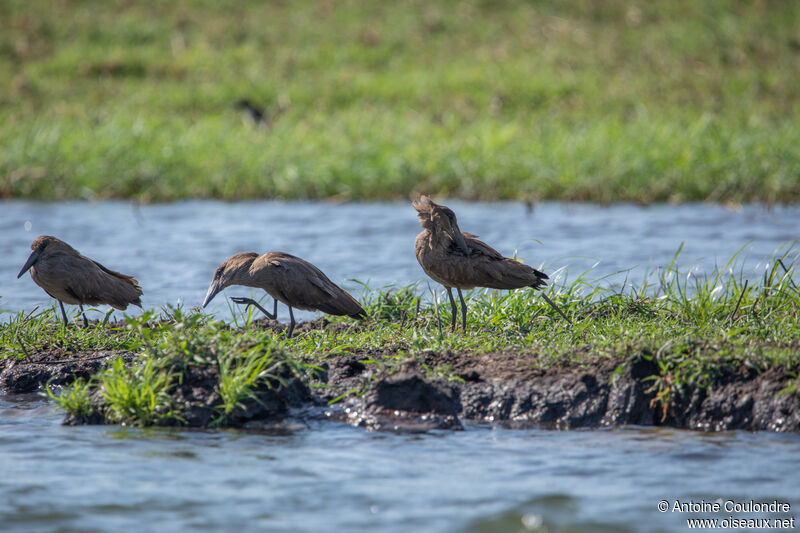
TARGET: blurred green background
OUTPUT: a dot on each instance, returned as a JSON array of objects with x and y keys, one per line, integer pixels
[{"x": 590, "y": 100}]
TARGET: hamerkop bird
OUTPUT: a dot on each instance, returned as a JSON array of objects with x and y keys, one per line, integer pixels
[
  {"x": 71, "y": 278},
  {"x": 460, "y": 260},
  {"x": 289, "y": 279}
]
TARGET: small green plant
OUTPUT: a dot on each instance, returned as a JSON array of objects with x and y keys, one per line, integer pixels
[
  {"x": 241, "y": 373},
  {"x": 75, "y": 399},
  {"x": 138, "y": 394},
  {"x": 792, "y": 385},
  {"x": 443, "y": 371}
]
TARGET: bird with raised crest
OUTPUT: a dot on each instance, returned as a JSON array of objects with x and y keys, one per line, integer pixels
[{"x": 459, "y": 260}]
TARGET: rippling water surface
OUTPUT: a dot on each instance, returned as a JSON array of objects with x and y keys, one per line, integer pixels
[
  {"x": 331, "y": 477},
  {"x": 339, "y": 478}
]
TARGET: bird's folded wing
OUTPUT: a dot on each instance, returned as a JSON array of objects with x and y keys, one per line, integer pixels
[
  {"x": 482, "y": 248},
  {"x": 116, "y": 274},
  {"x": 92, "y": 283},
  {"x": 326, "y": 287}
]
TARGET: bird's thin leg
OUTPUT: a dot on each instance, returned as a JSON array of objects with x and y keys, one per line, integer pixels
[
  {"x": 63, "y": 313},
  {"x": 250, "y": 301},
  {"x": 275, "y": 308},
  {"x": 291, "y": 323},
  {"x": 85, "y": 322},
  {"x": 436, "y": 308},
  {"x": 453, "y": 309},
  {"x": 463, "y": 310},
  {"x": 554, "y": 306}
]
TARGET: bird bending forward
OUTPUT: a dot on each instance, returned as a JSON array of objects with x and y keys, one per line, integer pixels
[
  {"x": 288, "y": 279},
  {"x": 457, "y": 259},
  {"x": 71, "y": 278}
]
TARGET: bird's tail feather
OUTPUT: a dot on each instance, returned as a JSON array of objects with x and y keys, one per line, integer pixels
[
  {"x": 343, "y": 305},
  {"x": 361, "y": 315},
  {"x": 124, "y": 277},
  {"x": 539, "y": 283}
]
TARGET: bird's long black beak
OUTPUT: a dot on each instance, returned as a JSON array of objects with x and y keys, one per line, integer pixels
[
  {"x": 29, "y": 263},
  {"x": 213, "y": 289},
  {"x": 458, "y": 238}
]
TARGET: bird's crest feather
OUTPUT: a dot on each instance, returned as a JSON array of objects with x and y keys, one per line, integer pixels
[{"x": 424, "y": 204}]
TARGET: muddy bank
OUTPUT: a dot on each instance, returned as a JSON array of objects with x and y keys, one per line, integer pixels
[
  {"x": 508, "y": 389},
  {"x": 55, "y": 367},
  {"x": 196, "y": 398},
  {"x": 500, "y": 388}
]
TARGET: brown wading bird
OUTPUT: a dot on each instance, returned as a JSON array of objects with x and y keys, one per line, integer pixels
[
  {"x": 71, "y": 278},
  {"x": 460, "y": 260},
  {"x": 289, "y": 279}
]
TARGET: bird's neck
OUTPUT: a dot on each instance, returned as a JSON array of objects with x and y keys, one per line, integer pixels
[
  {"x": 435, "y": 238},
  {"x": 243, "y": 276}
]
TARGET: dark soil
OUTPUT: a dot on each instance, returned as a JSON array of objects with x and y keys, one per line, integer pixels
[
  {"x": 198, "y": 400},
  {"x": 511, "y": 389},
  {"x": 195, "y": 396},
  {"x": 54, "y": 367},
  {"x": 264, "y": 323}
]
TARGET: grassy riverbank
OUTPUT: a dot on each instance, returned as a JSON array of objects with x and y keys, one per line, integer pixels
[
  {"x": 694, "y": 330},
  {"x": 667, "y": 101}
]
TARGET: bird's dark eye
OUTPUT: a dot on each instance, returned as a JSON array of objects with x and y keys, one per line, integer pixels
[{"x": 218, "y": 273}]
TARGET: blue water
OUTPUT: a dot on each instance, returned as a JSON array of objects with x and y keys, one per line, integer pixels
[
  {"x": 332, "y": 477},
  {"x": 326, "y": 476}
]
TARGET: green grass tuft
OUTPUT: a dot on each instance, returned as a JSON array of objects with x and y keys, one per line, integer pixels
[
  {"x": 138, "y": 394},
  {"x": 76, "y": 399},
  {"x": 24, "y": 333},
  {"x": 240, "y": 374}
]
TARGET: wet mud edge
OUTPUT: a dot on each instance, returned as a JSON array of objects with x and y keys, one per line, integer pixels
[{"x": 498, "y": 388}]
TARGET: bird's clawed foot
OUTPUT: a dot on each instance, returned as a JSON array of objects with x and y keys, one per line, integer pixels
[
  {"x": 243, "y": 301},
  {"x": 248, "y": 302},
  {"x": 272, "y": 316}
]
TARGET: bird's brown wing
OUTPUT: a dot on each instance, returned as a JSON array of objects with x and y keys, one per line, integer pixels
[
  {"x": 304, "y": 286},
  {"x": 484, "y": 249},
  {"x": 123, "y": 277},
  {"x": 481, "y": 247},
  {"x": 87, "y": 282},
  {"x": 486, "y": 267}
]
